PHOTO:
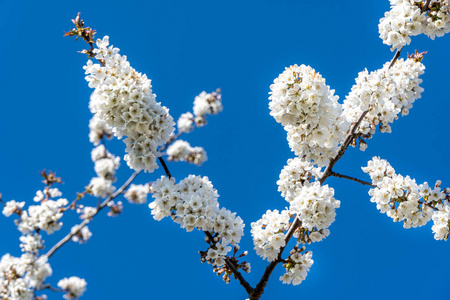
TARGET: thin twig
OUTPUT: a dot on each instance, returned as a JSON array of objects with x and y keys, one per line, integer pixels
[
  {"x": 342, "y": 149},
  {"x": 163, "y": 163},
  {"x": 396, "y": 56},
  {"x": 259, "y": 289},
  {"x": 352, "y": 178},
  {"x": 425, "y": 7},
  {"x": 69, "y": 236},
  {"x": 233, "y": 269},
  {"x": 49, "y": 287},
  {"x": 173, "y": 139}
]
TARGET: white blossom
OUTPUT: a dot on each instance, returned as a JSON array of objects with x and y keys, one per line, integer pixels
[
  {"x": 182, "y": 151},
  {"x": 193, "y": 203},
  {"x": 405, "y": 19},
  {"x": 315, "y": 206},
  {"x": 137, "y": 193},
  {"x": 308, "y": 109},
  {"x": 12, "y": 207},
  {"x": 294, "y": 175},
  {"x": 74, "y": 286},
  {"x": 124, "y": 100},
  {"x": 268, "y": 233},
  {"x": 386, "y": 93},
  {"x": 186, "y": 122}
]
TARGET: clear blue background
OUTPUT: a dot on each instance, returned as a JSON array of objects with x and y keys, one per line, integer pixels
[{"x": 186, "y": 47}]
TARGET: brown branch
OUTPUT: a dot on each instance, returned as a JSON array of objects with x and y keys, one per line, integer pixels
[
  {"x": 329, "y": 169},
  {"x": 259, "y": 289},
  {"x": 425, "y": 7},
  {"x": 352, "y": 178},
  {"x": 233, "y": 269},
  {"x": 49, "y": 287},
  {"x": 396, "y": 56},
  {"x": 163, "y": 163},
  {"x": 102, "y": 205}
]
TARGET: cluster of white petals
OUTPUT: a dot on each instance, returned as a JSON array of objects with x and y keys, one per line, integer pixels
[
  {"x": 186, "y": 122},
  {"x": 297, "y": 268},
  {"x": 43, "y": 217},
  {"x": 123, "y": 98},
  {"x": 310, "y": 113},
  {"x": 294, "y": 175},
  {"x": 441, "y": 220},
  {"x": 12, "y": 207},
  {"x": 405, "y": 19},
  {"x": 315, "y": 206},
  {"x": 268, "y": 233},
  {"x": 402, "y": 199},
  {"x": 20, "y": 275},
  {"x": 74, "y": 286},
  {"x": 207, "y": 104},
  {"x": 193, "y": 203},
  {"x": 80, "y": 235},
  {"x": 106, "y": 165},
  {"x": 98, "y": 129},
  {"x": 386, "y": 93},
  {"x": 182, "y": 151},
  {"x": 137, "y": 193}
]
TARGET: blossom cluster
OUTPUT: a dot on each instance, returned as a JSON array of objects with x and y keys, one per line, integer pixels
[
  {"x": 193, "y": 203},
  {"x": 386, "y": 93},
  {"x": 406, "y": 19},
  {"x": 297, "y": 266},
  {"x": 402, "y": 199},
  {"x": 21, "y": 276},
  {"x": 182, "y": 151},
  {"x": 309, "y": 111},
  {"x": 315, "y": 206},
  {"x": 106, "y": 165},
  {"x": 294, "y": 175},
  {"x": 137, "y": 193},
  {"x": 123, "y": 98},
  {"x": 74, "y": 286},
  {"x": 268, "y": 233}
]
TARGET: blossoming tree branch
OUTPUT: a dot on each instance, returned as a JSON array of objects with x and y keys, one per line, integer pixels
[{"x": 319, "y": 131}]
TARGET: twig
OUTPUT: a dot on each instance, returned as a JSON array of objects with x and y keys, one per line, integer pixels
[
  {"x": 259, "y": 289},
  {"x": 163, "y": 163},
  {"x": 69, "y": 236},
  {"x": 233, "y": 269},
  {"x": 173, "y": 139},
  {"x": 49, "y": 287},
  {"x": 352, "y": 178},
  {"x": 396, "y": 56},
  {"x": 425, "y": 7},
  {"x": 329, "y": 169}
]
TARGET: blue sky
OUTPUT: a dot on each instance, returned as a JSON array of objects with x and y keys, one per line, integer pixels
[{"x": 186, "y": 47}]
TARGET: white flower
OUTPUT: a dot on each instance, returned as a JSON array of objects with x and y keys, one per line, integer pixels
[
  {"x": 307, "y": 108},
  {"x": 101, "y": 187},
  {"x": 186, "y": 122},
  {"x": 386, "y": 93},
  {"x": 124, "y": 100},
  {"x": 315, "y": 206},
  {"x": 268, "y": 233},
  {"x": 74, "y": 286},
  {"x": 192, "y": 203},
  {"x": 182, "y": 151},
  {"x": 12, "y": 207},
  {"x": 137, "y": 193}
]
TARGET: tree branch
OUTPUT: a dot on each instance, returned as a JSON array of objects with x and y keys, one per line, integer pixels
[
  {"x": 329, "y": 169},
  {"x": 352, "y": 178},
  {"x": 102, "y": 205},
  {"x": 233, "y": 269},
  {"x": 259, "y": 289},
  {"x": 163, "y": 163}
]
